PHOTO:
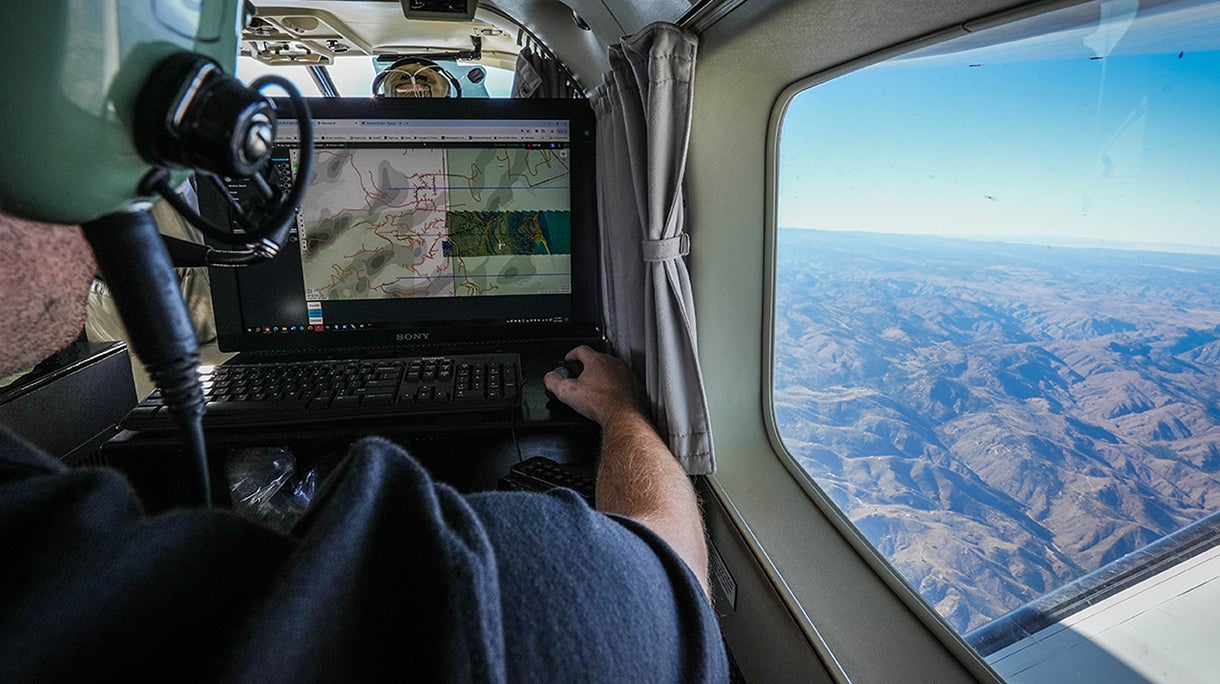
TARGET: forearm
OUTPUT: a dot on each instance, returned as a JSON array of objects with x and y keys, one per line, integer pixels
[{"x": 639, "y": 478}]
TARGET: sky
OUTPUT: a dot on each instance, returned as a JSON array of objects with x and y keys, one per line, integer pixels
[{"x": 1075, "y": 139}]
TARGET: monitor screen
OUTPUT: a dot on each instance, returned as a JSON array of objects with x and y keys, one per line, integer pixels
[{"x": 424, "y": 222}]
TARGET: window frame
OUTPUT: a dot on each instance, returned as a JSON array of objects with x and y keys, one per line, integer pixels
[
  {"x": 893, "y": 579},
  {"x": 877, "y": 562}
]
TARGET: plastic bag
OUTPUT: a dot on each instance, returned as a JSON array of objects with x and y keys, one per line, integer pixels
[{"x": 263, "y": 485}]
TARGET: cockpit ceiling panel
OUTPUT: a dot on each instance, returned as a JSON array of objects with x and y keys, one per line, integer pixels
[{"x": 283, "y": 30}]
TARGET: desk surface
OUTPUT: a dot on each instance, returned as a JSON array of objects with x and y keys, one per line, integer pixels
[{"x": 470, "y": 452}]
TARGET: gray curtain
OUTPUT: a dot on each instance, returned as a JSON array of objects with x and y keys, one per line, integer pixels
[
  {"x": 643, "y": 111},
  {"x": 537, "y": 74}
]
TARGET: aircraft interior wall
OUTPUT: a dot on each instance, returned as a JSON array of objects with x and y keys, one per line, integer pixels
[{"x": 871, "y": 624}]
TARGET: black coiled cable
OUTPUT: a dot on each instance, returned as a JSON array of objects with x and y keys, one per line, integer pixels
[
  {"x": 137, "y": 269},
  {"x": 262, "y": 242}
]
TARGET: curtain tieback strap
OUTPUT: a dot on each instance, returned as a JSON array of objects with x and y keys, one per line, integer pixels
[{"x": 666, "y": 249}]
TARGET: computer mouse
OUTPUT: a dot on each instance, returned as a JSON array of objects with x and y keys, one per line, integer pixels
[{"x": 568, "y": 369}]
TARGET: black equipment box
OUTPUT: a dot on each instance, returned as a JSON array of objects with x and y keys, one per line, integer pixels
[{"x": 72, "y": 402}]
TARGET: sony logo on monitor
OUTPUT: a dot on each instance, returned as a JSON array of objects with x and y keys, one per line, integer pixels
[{"x": 412, "y": 337}]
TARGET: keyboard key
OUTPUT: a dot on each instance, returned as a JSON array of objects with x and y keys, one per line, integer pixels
[{"x": 307, "y": 392}]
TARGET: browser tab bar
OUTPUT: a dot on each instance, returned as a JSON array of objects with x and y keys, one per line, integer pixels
[{"x": 430, "y": 131}]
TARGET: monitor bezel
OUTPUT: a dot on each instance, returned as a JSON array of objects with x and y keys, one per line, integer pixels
[{"x": 585, "y": 315}]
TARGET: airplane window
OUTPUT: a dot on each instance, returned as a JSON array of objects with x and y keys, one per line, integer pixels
[
  {"x": 353, "y": 77},
  {"x": 997, "y": 309}
]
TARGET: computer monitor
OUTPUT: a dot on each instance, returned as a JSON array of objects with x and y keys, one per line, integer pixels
[{"x": 442, "y": 221}]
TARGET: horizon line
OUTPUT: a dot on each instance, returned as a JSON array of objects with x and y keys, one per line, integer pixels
[{"x": 1063, "y": 242}]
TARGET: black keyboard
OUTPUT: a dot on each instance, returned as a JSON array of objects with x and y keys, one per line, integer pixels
[
  {"x": 317, "y": 391},
  {"x": 540, "y": 474}
]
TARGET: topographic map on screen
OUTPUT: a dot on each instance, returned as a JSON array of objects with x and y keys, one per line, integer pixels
[{"x": 428, "y": 222}]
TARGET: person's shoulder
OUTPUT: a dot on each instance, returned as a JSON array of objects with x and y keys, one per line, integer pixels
[
  {"x": 600, "y": 580},
  {"x": 35, "y": 483},
  {"x": 18, "y": 457},
  {"x": 559, "y": 512},
  {"x": 556, "y": 543}
]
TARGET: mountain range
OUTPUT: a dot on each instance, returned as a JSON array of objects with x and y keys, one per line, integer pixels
[{"x": 999, "y": 419}]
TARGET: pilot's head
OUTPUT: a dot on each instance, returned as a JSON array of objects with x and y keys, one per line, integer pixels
[
  {"x": 45, "y": 273},
  {"x": 415, "y": 77}
]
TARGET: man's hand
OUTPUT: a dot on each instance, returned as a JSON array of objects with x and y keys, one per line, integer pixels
[
  {"x": 604, "y": 390},
  {"x": 637, "y": 475}
]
